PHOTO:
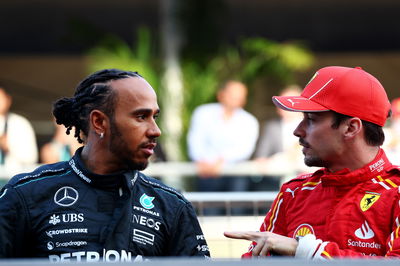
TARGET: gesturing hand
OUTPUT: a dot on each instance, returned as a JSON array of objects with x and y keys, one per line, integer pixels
[{"x": 267, "y": 242}]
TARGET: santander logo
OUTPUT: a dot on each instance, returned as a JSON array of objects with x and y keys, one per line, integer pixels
[{"x": 364, "y": 232}]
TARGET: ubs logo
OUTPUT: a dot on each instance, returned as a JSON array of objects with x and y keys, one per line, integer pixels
[{"x": 66, "y": 196}]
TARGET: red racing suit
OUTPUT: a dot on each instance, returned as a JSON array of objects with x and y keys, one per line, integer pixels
[{"x": 341, "y": 214}]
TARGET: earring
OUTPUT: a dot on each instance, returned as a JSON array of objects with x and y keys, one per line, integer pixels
[{"x": 102, "y": 135}]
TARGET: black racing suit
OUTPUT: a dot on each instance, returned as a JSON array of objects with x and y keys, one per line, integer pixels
[{"x": 66, "y": 213}]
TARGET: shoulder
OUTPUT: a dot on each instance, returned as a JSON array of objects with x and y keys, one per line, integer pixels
[
  {"x": 303, "y": 179},
  {"x": 43, "y": 172},
  {"x": 16, "y": 118},
  {"x": 246, "y": 116},
  {"x": 161, "y": 189}
]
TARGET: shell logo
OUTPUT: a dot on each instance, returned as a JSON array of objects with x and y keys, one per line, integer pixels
[{"x": 302, "y": 230}]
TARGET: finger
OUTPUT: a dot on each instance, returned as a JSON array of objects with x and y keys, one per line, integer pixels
[
  {"x": 265, "y": 250},
  {"x": 247, "y": 235},
  {"x": 257, "y": 249}
]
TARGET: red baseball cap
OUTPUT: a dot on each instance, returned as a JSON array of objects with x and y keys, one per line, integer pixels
[{"x": 348, "y": 91}]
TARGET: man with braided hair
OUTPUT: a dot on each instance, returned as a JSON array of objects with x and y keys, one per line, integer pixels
[{"x": 98, "y": 206}]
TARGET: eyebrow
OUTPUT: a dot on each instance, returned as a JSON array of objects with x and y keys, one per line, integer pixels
[{"x": 145, "y": 110}]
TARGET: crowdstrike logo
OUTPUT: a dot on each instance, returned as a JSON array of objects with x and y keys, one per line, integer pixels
[
  {"x": 364, "y": 232},
  {"x": 51, "y": 233}
]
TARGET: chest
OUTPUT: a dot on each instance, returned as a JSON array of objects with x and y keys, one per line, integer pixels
[
  {"x": 354, "y": 218},
  {"x": 94, "y": 225}
]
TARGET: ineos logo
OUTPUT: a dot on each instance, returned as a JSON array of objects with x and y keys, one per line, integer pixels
[{"x": 66, "y": 196}]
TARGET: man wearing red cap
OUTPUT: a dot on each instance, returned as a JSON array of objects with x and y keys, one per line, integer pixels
[{"x": 350, "y": 207}]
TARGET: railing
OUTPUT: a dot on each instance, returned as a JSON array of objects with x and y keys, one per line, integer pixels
[
  {"x": 173, "y": 173},
  {"x": 276, "y": 261}
]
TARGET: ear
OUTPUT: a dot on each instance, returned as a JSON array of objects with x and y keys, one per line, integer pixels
[
  {"x": 353, "y": 127},
  {"x": 98, "y": 122}
]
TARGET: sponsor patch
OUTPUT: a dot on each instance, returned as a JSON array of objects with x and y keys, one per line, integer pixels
[
  {"x": 66, "y": 218},
  {"x": 302, "y": 230},
  {"x": 147, "y": 202},
  {"x": 94, "y": 256},
  {"x": 364, "y": 232},
  {"x": 66, "y": 196},
  {"x": 146, "y": 211},
  {"x": 68, "y": 231},
  {"x": 143, "y": 237},
  {"x": 146, "y": 221},
  {"x": 368, "y": 200}
]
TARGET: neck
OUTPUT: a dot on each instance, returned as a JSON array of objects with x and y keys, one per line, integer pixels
[
  {"x": 95, "y": 160},
  {"x": 228, "y": 113},
  {"x": 356, "y": 159}
]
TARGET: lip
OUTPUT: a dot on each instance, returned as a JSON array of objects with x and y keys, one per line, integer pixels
[{"x": 148, "y": 149}]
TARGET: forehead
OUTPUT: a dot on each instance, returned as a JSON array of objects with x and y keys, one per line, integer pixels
[
  {"x": 322, "y": 115},
  {"x": 235, "y": 88},
  {"x": 134, "y": 91}
]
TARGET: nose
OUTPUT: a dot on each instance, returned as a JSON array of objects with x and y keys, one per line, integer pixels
[
  {"x": 154, "y": 131},
  {"x": 299, "y": 130}
]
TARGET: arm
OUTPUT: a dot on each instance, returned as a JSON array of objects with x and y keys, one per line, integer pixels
[
  {"x": 13, "y": 224},
  {"x": 196, "y": 137},
  {"x": 21, "y": 141},
  {"x": 309, "y": 247},
  {"x": 187, "y": 239},
  {"x": 272, "y": 229}
]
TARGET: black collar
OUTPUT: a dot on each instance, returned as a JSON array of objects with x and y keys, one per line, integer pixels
[{"x": 109, "y": 181}]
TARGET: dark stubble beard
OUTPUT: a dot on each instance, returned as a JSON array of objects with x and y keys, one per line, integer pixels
[
  {"x": 119, "y": 148},
  {"x": 314, "y": 161}
]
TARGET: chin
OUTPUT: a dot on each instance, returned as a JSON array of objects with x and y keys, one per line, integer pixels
[
  {"x": 314, "y": 161},
  {"x": 138, "y": 165}
]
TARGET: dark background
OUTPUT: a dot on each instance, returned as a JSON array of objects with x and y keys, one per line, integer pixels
[{"x": 43, "y": 43}]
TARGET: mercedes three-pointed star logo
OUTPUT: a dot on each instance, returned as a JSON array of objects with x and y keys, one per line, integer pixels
[{"x": 66, "y": 196}]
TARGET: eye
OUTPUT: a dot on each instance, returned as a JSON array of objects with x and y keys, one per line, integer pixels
[
  {"x": 141, "y": 116},
  {"x": 309, "y": 118}
]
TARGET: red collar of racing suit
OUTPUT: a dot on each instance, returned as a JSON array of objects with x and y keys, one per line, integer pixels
[{"x": 345, "y": 177}]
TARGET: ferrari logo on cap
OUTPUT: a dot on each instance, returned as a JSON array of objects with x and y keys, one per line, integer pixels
[{"x": 368, "y": 200}]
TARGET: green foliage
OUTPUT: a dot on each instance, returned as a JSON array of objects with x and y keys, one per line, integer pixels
[
  {"x": 112, "y": 52},
  {"x": 252, "y": 59}
]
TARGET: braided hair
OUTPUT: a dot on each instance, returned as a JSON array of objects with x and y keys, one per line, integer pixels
[{"x": 94, "y": 92}]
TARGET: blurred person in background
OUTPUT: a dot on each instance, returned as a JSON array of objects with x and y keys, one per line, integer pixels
[
  {"x": 392, "y": 133},
  {"x": 98, "y": 206},
  {"x": 18, "y": 147},
  {"x": 60, "y": 148},
  {"x": 277, "y": 145},
  {"x": 350, "y": 207},
  {"x": 220, "y": 134}
]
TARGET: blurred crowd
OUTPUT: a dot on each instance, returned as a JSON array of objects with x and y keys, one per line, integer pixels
[{"x": 220, "y": 134}]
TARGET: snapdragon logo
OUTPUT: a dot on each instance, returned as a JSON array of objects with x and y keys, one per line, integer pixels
[{"x": 146, "y": 201}]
